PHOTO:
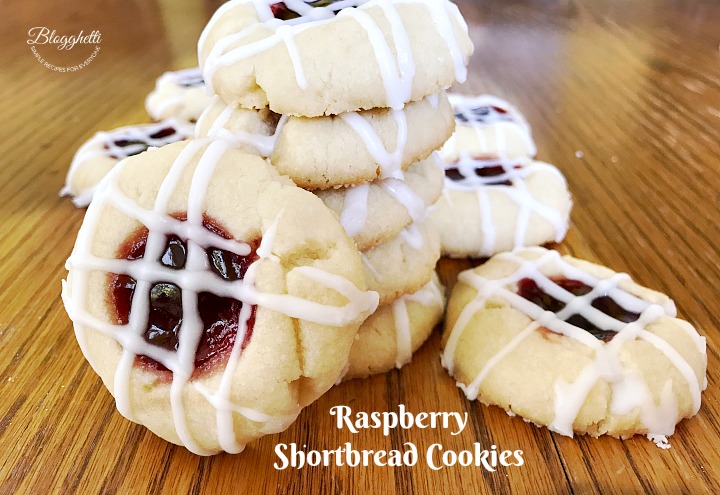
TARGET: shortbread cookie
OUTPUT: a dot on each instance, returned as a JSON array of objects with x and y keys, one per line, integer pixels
[
  {"x": 104, "y": 150},
  {"x": 213, "y": 297},
  {"x": 489, "y": 206},
  {"x": 178, "y": 95},
  {"x": 326, "y": 58},
  {"x": 390, "y": 336},
  {"x": 348, "y": 149},
  {"x": 573, "y": 345},
  {"x": 404, "y": 264},
  {"x": 488, "y": 126},
  {"x": 377, "y": 212},
  {"x": 254, "y": 131}
]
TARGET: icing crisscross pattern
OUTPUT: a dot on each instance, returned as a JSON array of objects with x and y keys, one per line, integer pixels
[
  {"x": 122, "y": 143},
  {"x": 355, "y": 210},
  {"x": 485, "y": 110},
  {"x": 390, "y": 163},
  {"x": 217, "y": 128},
  {"x": 395, "y": 62},
  {"x": 629, "y": 391},
  {"x": 495, "y": 122},
  {"x": 428, "y": 295},
  {"x": 508, "y": 178},
  {"x": 195, "y": 278},
  {"x": 130, "y": 141}
]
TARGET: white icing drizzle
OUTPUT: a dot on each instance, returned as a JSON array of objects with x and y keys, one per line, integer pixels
[
  {"x": 369, "y": 266},
  {"x": 354, "y": 215},
  {"x": 355, "y": 209},
  {"x": 263, "y": 143},
  {"x": 439, "y": 13},
  {"x": 413, "y": 203},
  {"x": 478, "y": 110},
  {"x": 285, "y": 32},
  {"x": 516, "y": 172},
  {"x": 412, "y": 236},
  {"x": 398, "y": 86},
  {"x": 196, "y": 277},
  {"x": 396, "y": 64},
  {"x": 477, "y": 113},
  {"x": 190, "y": 78},
  {"x": 428, "y": 295},
  {"x": 184, "y": 81},
  {"x": 390, "y": 163},
  {"x": 403, "y": 336},
  {"x": 629, "y": 391},
  {"x": 104, "y": 144}
]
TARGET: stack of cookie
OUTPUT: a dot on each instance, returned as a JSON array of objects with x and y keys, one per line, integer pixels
[
  {"x": 496, "y": 198},
  {"x": 360, "y": 132},
  {"x": 216, "y": 298}
]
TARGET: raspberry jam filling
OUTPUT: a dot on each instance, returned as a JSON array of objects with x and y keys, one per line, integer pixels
[
  {"x": 487, "y": 114},
  {"x": 141, "y": 145},
  {"x": 529, "y": 289},
  {"x": 282, "y": 12},
  {"x": 219, "y": 315},
  {"x": 455, "y": 175}
]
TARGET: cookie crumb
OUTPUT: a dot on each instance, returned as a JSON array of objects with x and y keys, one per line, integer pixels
[{"x": 660, "y": 440}]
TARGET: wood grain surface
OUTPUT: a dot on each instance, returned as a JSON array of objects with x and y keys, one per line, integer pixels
[{"x": 623, "y": 96}]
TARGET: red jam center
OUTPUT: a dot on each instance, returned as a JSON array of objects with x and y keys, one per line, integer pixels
[
  {"x": 529, "y": 289},
  {"x": 219, "y": 315},
  {"x": 455, "y": 175}
]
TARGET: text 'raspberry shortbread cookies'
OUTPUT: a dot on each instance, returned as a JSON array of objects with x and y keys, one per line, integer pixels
[
  {"x": 574, "y": 346},
  {"x": 330, "y": 57},
  {"x": 213, "y": 297}
]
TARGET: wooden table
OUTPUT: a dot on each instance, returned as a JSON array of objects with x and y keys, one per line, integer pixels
[{"x": 625, "y": 99}]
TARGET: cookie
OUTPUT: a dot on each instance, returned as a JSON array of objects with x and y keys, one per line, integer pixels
[
  {"x": 404, "y": 264},
  {"x": 573, "y": 346},
  {"x": 104, "y": 150},
  {"x": 488, "y": 126},
  {"x": 376, "y": 212},
  {"x": 178, "y": 95},
  {"x": 489, "y": 206},
  {"x": 335, "y": 56},
  {"x": 214, "y": 298},
  {"x": 253, "y": 131},
  {"x": 348, "y": 149},
  {"x": 390, "y": 336}
]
